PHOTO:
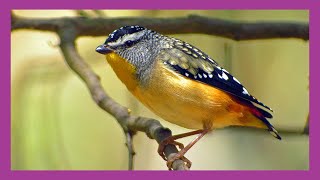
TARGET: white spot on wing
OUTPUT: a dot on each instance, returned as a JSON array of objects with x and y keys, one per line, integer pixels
[
  {"x": 187, "y": 74},
  {"x": 224, "y": 76},
  {"x": 215, "y": 63},
  {"x": 210, "y": 75},
  {"x": 236, "y": 80},
  {"x": 185, "y": 49},
  {"x": 225, "y": 71},
  {"x": 245, "y": 91}
]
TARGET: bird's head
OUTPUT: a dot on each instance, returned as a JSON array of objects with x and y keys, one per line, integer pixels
[
  {"x": 121, "y": 39},
  {"x": 135, "y": 44}
]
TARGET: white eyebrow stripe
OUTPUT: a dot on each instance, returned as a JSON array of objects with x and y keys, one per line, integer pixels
[{"x": 131, "y": 37}]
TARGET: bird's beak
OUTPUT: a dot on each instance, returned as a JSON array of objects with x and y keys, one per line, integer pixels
[{"x": 103, "y": 49}]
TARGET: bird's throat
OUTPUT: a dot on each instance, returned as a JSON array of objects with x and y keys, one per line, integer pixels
[{"x": 123, "y": 69}]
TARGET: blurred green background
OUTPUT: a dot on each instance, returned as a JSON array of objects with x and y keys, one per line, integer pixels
[{"x": 56, "y": 125}]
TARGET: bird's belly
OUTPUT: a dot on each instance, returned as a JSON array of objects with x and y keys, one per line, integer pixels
[{"x": 186, "y": 102}]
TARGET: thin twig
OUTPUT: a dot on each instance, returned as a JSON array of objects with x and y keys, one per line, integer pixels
[{"x": 131, "y": 152}]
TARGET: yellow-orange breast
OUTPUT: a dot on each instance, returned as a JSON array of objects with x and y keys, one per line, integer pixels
[
  {"x": 182, "y": 101},
  {"x": 124, "y": 70}
]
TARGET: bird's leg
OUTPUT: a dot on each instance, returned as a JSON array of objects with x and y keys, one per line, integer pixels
[
  {"x": 180, "y": 154},
  {"x": 171, "y": 140}
]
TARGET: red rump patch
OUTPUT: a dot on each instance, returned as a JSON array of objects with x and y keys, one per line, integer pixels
[{"x": 256, "y": 112}]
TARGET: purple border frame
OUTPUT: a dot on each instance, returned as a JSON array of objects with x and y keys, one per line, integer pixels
[{"x": 5, "y": 166}]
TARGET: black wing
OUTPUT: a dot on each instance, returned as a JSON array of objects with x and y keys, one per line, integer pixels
[{"x": 194, "y": 64}]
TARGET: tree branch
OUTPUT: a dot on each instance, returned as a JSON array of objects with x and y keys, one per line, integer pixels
[
  {"x": 131, "y": 153},
  {"x": 235, "y": 30}
]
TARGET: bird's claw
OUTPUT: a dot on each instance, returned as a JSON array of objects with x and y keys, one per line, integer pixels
[
  {"x": 166, "y": 142},
  {"x": 176, "y": 157}
]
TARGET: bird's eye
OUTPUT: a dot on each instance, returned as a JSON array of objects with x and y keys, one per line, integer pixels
[{"x": 129, "y": 43}]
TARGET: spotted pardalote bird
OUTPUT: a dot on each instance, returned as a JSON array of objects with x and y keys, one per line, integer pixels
[{"x": 181, "y": 84}]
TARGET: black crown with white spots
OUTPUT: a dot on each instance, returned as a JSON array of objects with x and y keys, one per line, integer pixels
[{"x": 125, "y": 30}]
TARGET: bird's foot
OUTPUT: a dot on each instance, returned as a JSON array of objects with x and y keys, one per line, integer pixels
[
  {"x": 176, "y": 157},
  {"x": 164, "y": 143}
]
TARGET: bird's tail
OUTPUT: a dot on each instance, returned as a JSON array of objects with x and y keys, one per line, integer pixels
[{"x": 263, "y": 115}]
